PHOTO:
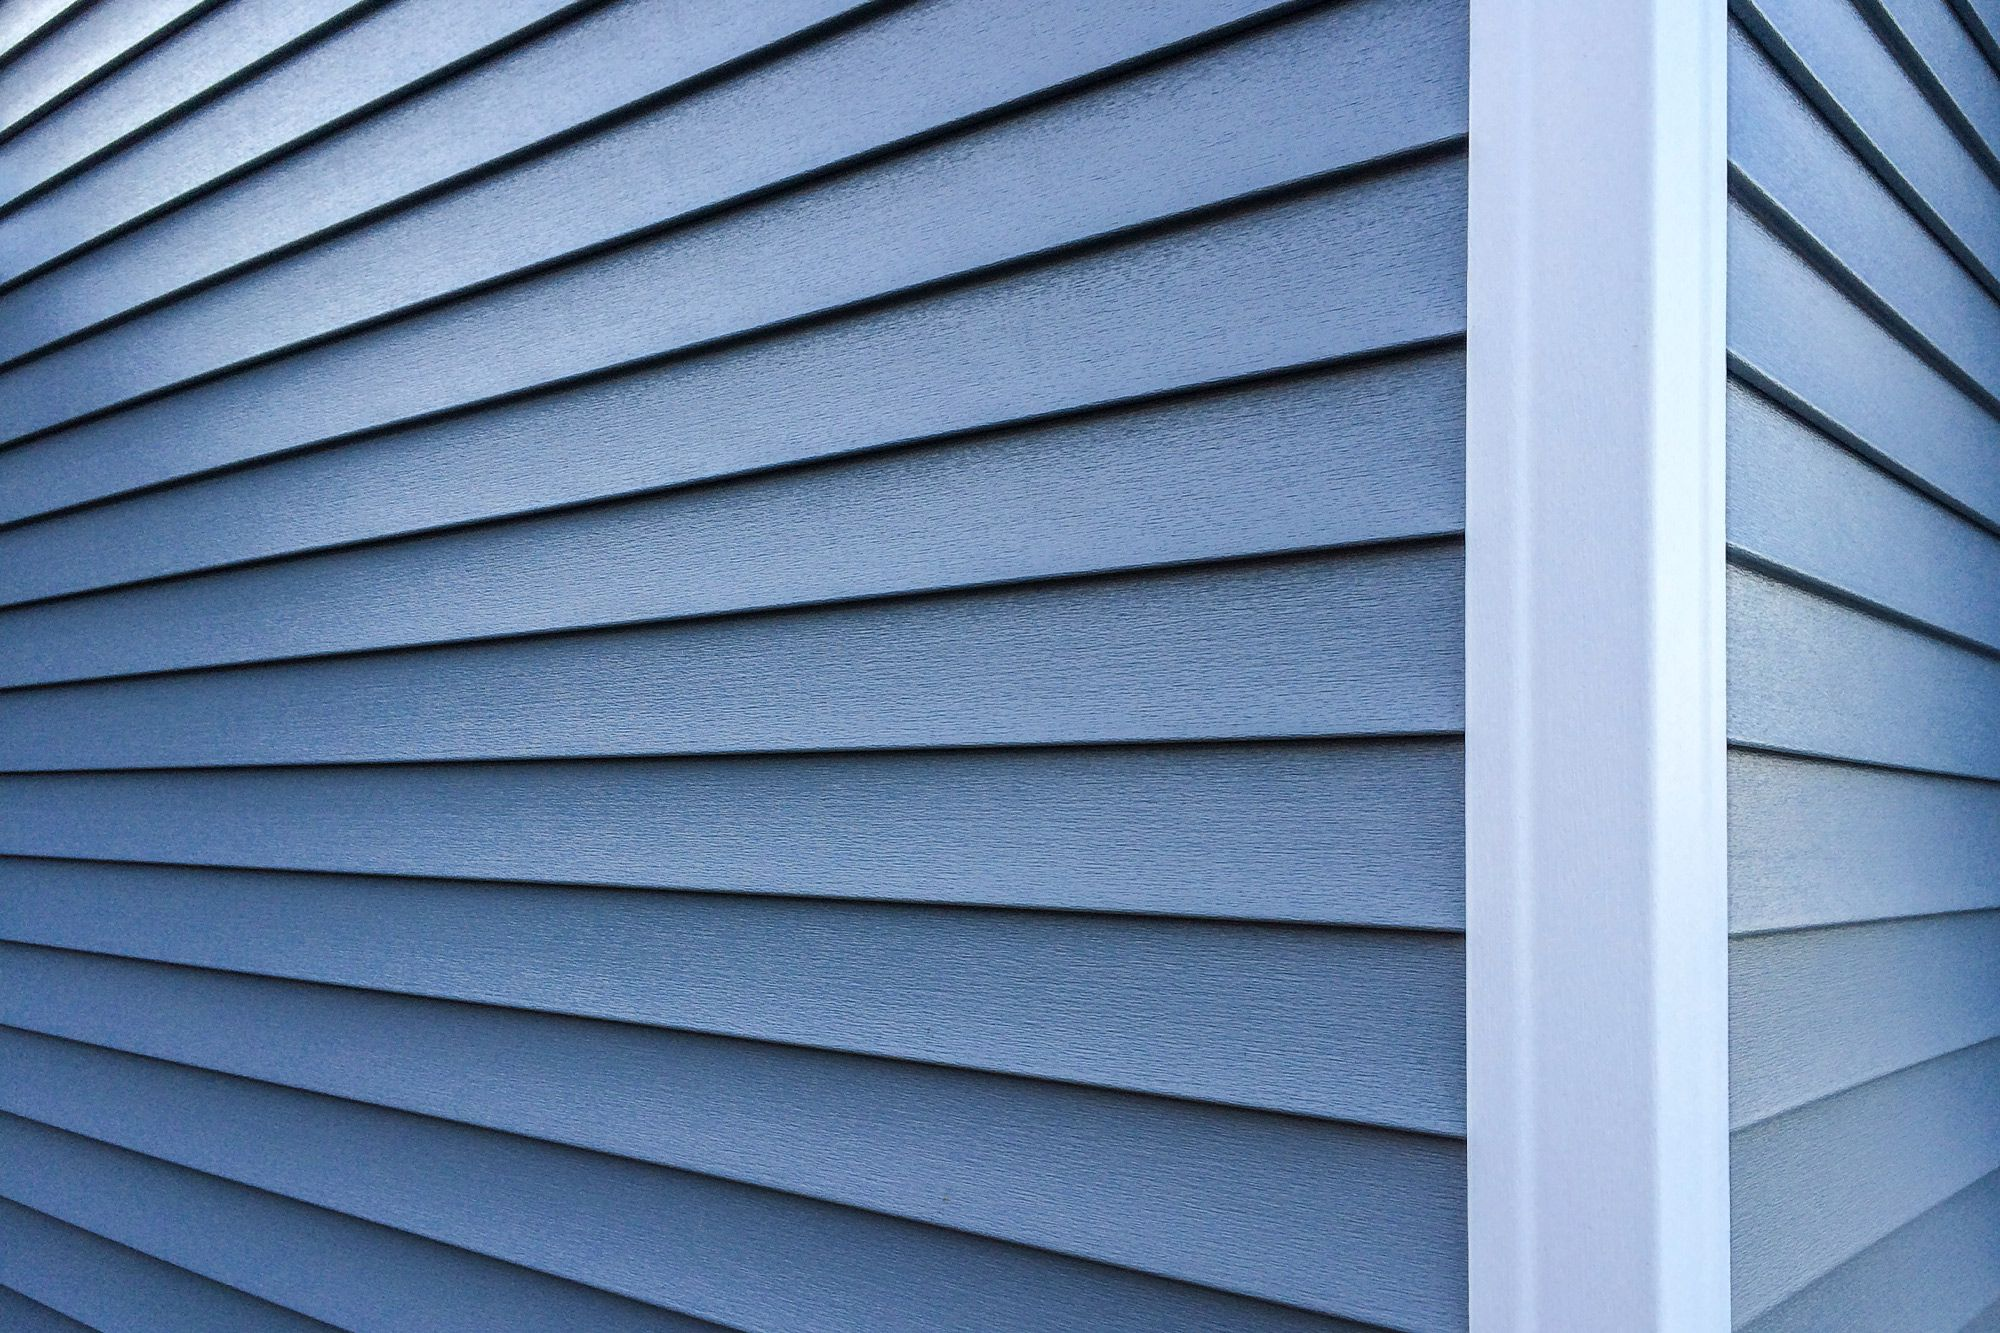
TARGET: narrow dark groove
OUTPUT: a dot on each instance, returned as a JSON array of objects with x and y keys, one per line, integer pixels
[
  {"x": 1843, "y": 923},
  {"x": 1870, "y": 1081},
  {"x": 632, "y": 110},
  {"x": 1848, "y": 761},
  {"x": 30, "y": 1300},
  {"x": 475, "y": 883},
  {"x": 1121, "y": 574},
  {"x": 1982, "y": 36}
]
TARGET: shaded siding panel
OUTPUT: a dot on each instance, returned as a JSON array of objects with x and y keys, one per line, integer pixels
[
  {"x": 791, "y": 667},
  {"x": 29, "y": 1316},
  {"x": 248, "y": 1241},
  {"x": 1931, "y": 1273},
  {"x": 1864, "y": 642},
  {"x": 596, "y": 1219},
  {"x": 919, "y": 1140},
  {"x": 115, "y": 1287}
]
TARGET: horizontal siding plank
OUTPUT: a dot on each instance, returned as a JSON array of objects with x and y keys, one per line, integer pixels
[
  {"x": 111, "y": 1286},
  {"x": 1196, "y": 304},
  {"x": 1355, "y": 643},
  {"x": 755, "y": 128},
  {"x": 96, "y": 38},
  {"x": 1932, "y": 39},
  {"x": 1833, "y": 55},
  {"x": 218, "y": 47},
  {"x": 1354, "y": 457},
  {"x": 743, "y": 1256},
  {"x": 1788, "y": 153},
  {"x": 1320, "y": 1215},
  {"x": 21, "y": 1315},
  {"x": 1361, "y": 1025},
  {"x": 1292, "y": 102},
  {"x": 375, "y": 57},
  {"x": 1931, "y": 1276},
  {"x": 1812, "y": 1189},
  {"x": 1371, "y": 832},
  {"x": 349, "y": 1273},
  {"x": 1802, "y": 502},
  {"x": 1815, "y": 843},
  {"x": 1814, "y": 1012},
  {"x": 1877, "y": 396},
  {"x": 1813, "y": 676}
]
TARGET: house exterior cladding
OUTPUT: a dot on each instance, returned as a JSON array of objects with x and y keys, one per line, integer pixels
[
  {"x": 700, "y": 665},
  {"x": 832, "y": 665},
  {"x": 1864, "y": 660}
]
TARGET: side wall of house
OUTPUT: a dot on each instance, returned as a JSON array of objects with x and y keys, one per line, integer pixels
[
  {"x": 1864, "y": 628},
  {"x": 783, "y": 666}
]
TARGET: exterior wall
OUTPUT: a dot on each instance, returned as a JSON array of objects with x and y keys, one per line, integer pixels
[
  {"x": 774, "y": 666},
  {"x": 1864, "y": 623}
]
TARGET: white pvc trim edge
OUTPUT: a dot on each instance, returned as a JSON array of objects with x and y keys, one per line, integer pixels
[{"x": 1596, "y": 910}]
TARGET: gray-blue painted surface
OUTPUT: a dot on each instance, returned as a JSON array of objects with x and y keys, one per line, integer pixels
[
  {"x": 669, "y": 664},
  {"x": 1864, "y": 665}
]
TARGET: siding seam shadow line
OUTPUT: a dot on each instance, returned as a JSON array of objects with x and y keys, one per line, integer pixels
[
  {"x": 144, "y": 1253},
  {"x": 307, "y": 1203}
]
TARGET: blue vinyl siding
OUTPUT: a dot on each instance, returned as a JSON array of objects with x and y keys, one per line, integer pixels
[
  {"x": 1864, "y": 659},
  {"x": 672, "y": 664}
]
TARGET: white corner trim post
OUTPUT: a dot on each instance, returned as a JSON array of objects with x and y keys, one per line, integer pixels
[{"x": 1596, "y": 912}]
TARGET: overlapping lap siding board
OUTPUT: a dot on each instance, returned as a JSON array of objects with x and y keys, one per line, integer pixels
[
  {"x": 683, "y": 664},
  {"x": 1864, "y": 632}
]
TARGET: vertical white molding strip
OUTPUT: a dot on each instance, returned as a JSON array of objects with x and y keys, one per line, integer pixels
[{"x": 1596, "y": 890}]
